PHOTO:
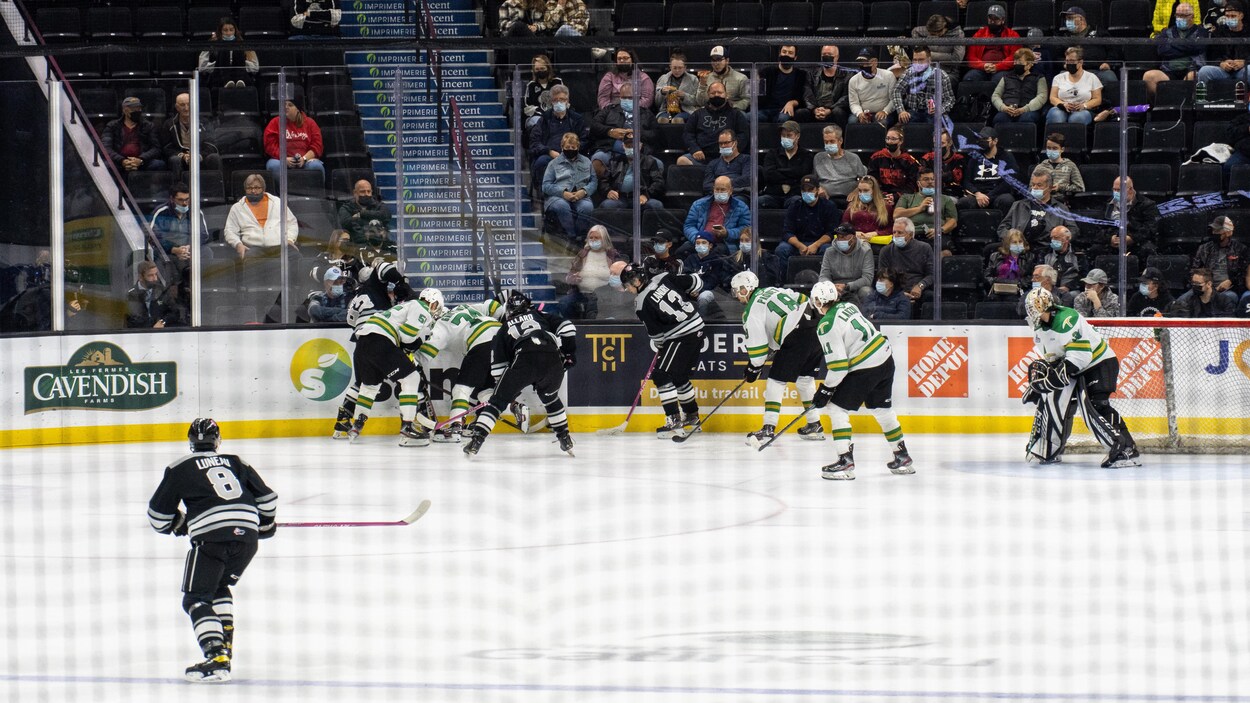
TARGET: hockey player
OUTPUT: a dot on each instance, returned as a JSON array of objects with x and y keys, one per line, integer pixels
[
  {"x": 534, "y": 348},
  {"x": 860, "y": 372},
  {"x": 384, "y": 283},
  {"x": 676, "y": 330},
  {"x": 228, "y": 507},
  {"x": 1076, "y": 365},
  {"x": 467, "y": 332},
  {"x": 380, "y": 356},
  {"x": 779, "y": 319}
]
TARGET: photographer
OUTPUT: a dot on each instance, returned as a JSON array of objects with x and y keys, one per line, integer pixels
[{"x": 365, "y": 217}]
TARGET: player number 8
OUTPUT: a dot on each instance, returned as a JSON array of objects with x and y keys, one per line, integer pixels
[{"x": 225, "y": 483}]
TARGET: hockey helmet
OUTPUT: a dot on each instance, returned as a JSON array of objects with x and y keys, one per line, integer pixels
[
  {"x": 433, "y": 298},
  {"x": 1037, "y": 302},
  {"x": 360, "y": 309},
  {"x": 204, "y": 435},
  {"x": 518, "y": 302},
  {"x": 824, "y": 294},
  {"x": 744, "y": 283},
  {"x": 653, "y": 266},
  {"x": 635, "y": 274}
]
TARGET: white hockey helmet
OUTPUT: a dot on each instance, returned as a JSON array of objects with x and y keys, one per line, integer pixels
[
  {"x": 744, "y": 283},
  {"x": 824, "y": 294},
  {"x": 1038, "y": 301},
  {"x": 433, "y": 298}
]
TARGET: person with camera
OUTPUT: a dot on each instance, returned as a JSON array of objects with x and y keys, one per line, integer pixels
[{"x": 365, "y": 218}]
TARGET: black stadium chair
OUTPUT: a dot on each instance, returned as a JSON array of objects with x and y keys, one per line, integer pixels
[
  {"x": 997, "y": 310},
  {"x": 1110, "y": 263},
  {"x": 1098, "y": 179},
  {"x": 202, "y": 20},
  {"x": 790, "y": 18},
  {"x": 1129, "y": 18},
  {"x": 841, "y": 19},
  {"x": 1152, "y": 180},
  {"x": 684, "y": 185},
  {"x": 741, "y": 18},
  {"x": 238, "y": 102},
  {"x": 105, "y": 23},
  {"x": 946, "y": 8},
  {"x": 1200, "y": 179},
  {"x": 691, "y": 18},
  {"x": 798, "y": 264},
  {"x": 1175, "y": 270},
  {"x": 977, "y": 229},
  {"x": 951, "y": 310},
  {"x": 962, "y": 277},
  {"x": 1031, "y": 13},
  {"x": 160, "y": 23},
  {"x": 59, "y": 24},
  {"x": 260, "y": 21},
  {"x": 889, "y": 18},
  {"x": 640, "y": 18}
]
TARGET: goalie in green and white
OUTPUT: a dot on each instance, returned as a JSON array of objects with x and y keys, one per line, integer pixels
[
  {"x": 1076, "y": 366},
  {"x": 860, "y": 367}
]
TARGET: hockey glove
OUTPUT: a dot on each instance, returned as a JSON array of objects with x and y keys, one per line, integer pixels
[
  {"x": 179, "y": 526},
  {"x": 1048, "y": 378},
  {"x": 752, "y": 373},
  {"x": 268, "y": 530},
  {"x": 824, "y": 394},
  {"x": 570, "y": 361}
]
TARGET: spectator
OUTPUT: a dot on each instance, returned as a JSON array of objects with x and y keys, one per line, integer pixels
[
  {"x": 769, "y": 269},
  {"x": 919, "y": 208},
  {"x": 826, "y": 97},
  {"x": 176, "y": 140},
  {"x": 544, "y": 77},
  {"x": 1143, "y": 224},
  {"x": 703, "y": 129},
  {"x": 992, "y": 61},
  {"x": 733, "y": 82},
  {"x": 1044, "y": 277},
  {"x": 912, "y": 260},
  {"x": 617, "y": 183},
  {"x": 171, "y": 223},
  {"x": 782, "y": 169},
  {"x": 568, "y": 183},
  {"x": 783, "y": 87},
  {"x": 732, "y": 163},
  {"x": 1007, "y": 267},
  {"x": 1065, "y": 176},
  {"x": 1212, "y": 20},
  {"x": 664, "y": 257},
  {"x": 809, "y": 224},
  {"x": 712, "y": 269},
  {"x": 676, "y": 92},
  {"x": 1228, "y": 61},
  {"x": 1074, "y": 92},
  {"x": 953, "y": 165},
  {"x": 1237, "y": 135},
  {"x": 254, "y": 225},
  {"x": 365, "y": 218},
  {"x": 613, "y": 126},
  {"x": 1035, "y": 215},
  {"x": 1152, "y": 296},
  {"x": 838, "y": 169},
  {"x": 1068, "y": 265},
  {"x": 1164, "y": 11},
  {"x": 1202, "y": 300},
  {"x": 569, "y": 18},
  {"x": 316, "y": 18},
  {"x": 1225, "y": 258},
  {"x": 719, "y": 215},
  {"x": 849, "y": 265},
  {"x": 915, "y": 93},
  {"x": 1076, "y": 26},
  {"x": 149, "y": 304},
  {"x": 590, "y": 272},
  {"x": 939, "y": 26},
  {"x": 303, "y": 143},
  {"x": 1180, "y": 49},
  {"x": 131, "y": 141},
  {"x": 330, "y": 303},
  {"x": 895, "y": 169},
  {"x": 548, "y": 135},
  {"x": 984, "y": 185},
  {"x": 1020, "y": 94},
  {"x": 870, "y": 92},
  {"x": 621, "y": 74},
  {"x": 526, "y": 18},
  {"x": 888, "y": 299},
  {"x": 869, "y": 212},
  {"x": 1097, "y": 300},
  {"x": 230, "y": 66}
]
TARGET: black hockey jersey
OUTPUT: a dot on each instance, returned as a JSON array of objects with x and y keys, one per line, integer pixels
[
  {"x": 532, "y": 330},
  {"x": 379, "y": 281},
  {"x": 226, "y": 499},
  {"x": 665, "y": 308}
]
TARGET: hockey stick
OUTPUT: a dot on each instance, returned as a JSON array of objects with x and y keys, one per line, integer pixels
[
  {"x": 453, "y": 418},
  {"x": 785, "y": 429},
  {"x": 641, "y": 385},
  {"x": 435, "y": 426},
  {"x": 699, "y": 425},
  {"x": 416, "y": 515}
]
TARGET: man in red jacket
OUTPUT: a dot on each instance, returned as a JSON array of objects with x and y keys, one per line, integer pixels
[
  {"x": 303, "y": 143},
  {"x": 992, "y": 62}
]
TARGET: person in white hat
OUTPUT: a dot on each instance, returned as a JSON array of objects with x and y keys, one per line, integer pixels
[{"x": 735, "y": 81}]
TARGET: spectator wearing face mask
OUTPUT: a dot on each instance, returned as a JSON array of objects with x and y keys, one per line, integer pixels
[
  {"x": 1068, "y": 265},
  {"x": 358, "y": 215},
  {"x": 1142, "y": 224},
  {"x": 1180, "y": 49},
  {"x": 849, "y": 265},
  {"x": 253, "y": 226},
  {"x": 548, "y": 134},
  {"x": 992, "y": 61},
  {"x": 1008, "y": 267},
  {"x": 568, "y": 183},
  {"x": 838, "y": 169},
  {"x": 887, "y": 301},
  {"x": 1151, "y": 297},
  {"x": 826, "y": 97},
  {"x": 171, "y": 223},
  {"x": 1211, "y": 20},
  {"x": 733, "y": 82},
  {"x": 1227, "y": 62},
  {"x": 702, "y": 131},
  {"x": 150, "y": 304},
  {"x": 662, "y": 250},
  {"x": 870, "y": 91},
  {"x": 617, "y": 183},
  {"x": 769, "y": 270},
  {"x": 1075, "y": 25},
  {"x": 228, "y": 65},
  {"x": 620, "y": 74},
  {"x": 1065, "y": 175},
  {"x": 1035, "y": 215},
  {"x": 711, "y": 265},
  {"x": 916, "y": 92},
  {"x": 984, "y": 185},
  {"x": 911, "y": 259},
  {"x": 809, "y": 224},
  {"x": 1074, "y": 93},
  {"x": 895, "y": 170},
  {"x": 330, "y": 303},
  {"x": 1097, "y": 300},
  {"x": 732, "y": 164},
  {"x": 590, "y": 271},
  {"x": 924, "y": 212},
  {"x": 784, "y": 85},
  {"x": 869, "y": 213},
  {"x": 719, "y": 215},
  {"x": 1020, "y": 94},
  {"x": 782, "y": 169},
  {"x": 613, "y": 127},
  {"x": 1225, "y": 257},
  {"x": 131, "y": 140},
  {"x": 544, "y": 77},
  {"x": 1202, "y": 300}
]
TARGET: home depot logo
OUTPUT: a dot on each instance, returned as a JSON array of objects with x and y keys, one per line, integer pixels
[
  {"x": 939, "y": 367},
  {"x": 1141, "y": 366},
  {"x": 1020, "y": 354}
]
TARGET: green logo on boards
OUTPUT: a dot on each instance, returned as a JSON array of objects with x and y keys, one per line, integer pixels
[
  {"x": 381, "y": 98},
  {"x": 101, "y": 376},
  {"x": 379, "y": 84},
  {"x": 389, "y": 124},
  {"x": 416, "y": 237},
  {"x": 386, "y": 111},
  {"x": 371, "y": 58},
  {"x": 427, "y": 281},
  {"x": 420, "y": 251},
  {"x": 410, "y": 209},
  {"x": 407, "y": 195},
  {"x": 364, "y": 31},
  {"x": 392, "y": 151},
  {"x": 425, "y": 266},
  {"x": 374, "y": 72},
  {"x": 358, "y": 5},
  {"x": 321, "y": 369},
  {"x": 390, "y": 139},
  {"x": 361, "y": 19}
]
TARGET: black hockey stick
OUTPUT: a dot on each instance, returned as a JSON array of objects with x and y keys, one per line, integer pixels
[
  {"x": 413, "y": 517},
  {"x": 784, "y": 430},
  {"x": 447, "y": 393},
  {"x": 698, "y": 425}
]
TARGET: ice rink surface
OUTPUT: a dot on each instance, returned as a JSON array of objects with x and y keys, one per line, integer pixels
[{"x": 644, "y": 571}]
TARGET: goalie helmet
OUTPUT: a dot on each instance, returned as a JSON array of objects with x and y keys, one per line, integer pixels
[
  {"x": 204, "y": 435},
  {"x": 1037, "y": 302},
  {"x": 518, "y": 302},
  {"x": 635, "y": 274},
  {"x": 433, "y": 298},
  {"x": 744, "y": 283},
  {"x": 824, "y": 294}
]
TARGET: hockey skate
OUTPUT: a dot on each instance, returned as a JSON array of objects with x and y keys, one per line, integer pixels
[
  {"x": 214, "y": 669},
  {"x": 1120, "y": 458},
  {"x": 671, "y": 426},
  {"x": 901, "y": 463},
  {"x": 843, "y": 469},
  {"x": 476, "y": 439},
  {"x": 449, "y": 434},
  {"x": 357, "y": 427},
  {"x": 760, "y": 436},
  {"x": 812, "y": 431},
  {"x": 413, "y": 435},
  {"x": 566, "y": 441},
  {"x": 342, "y": 425},
  {"x": 522, "y": 415},
  {"x": 689, "y": 425}
]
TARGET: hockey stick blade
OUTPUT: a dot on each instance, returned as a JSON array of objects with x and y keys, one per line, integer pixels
[
  {"x": 784, "y": 430},
  {"x": 413, "y": 517}
]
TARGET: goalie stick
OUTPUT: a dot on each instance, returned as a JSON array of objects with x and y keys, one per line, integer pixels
[{"x": 413, "y": 517}]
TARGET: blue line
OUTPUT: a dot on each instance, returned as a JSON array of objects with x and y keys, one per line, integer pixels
[{"x": 556, "y": 688}]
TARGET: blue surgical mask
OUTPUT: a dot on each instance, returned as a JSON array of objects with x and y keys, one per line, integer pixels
[
  {"x": 865, "y": 197},
  {"x": 745, "y": 247},
  {"x": 627, "y": 104},
  {"x": 702, "y": 249},
  {"x": 1182, "y": 23},
  {"x": 1056, "y": 245},
  {"x": 1016, "y": 248},
  {"x": 1052, "y": 154},
  {"x": 809, "y": 197},
  {"x": 1036, "y": 285},
  {"x": 659, "y": 248},
  {"x": 229, "y": 38},
  {"x": 182, "y": 209},
  {"x": 1143, "y": 288},
  {"x": 926, "y": 191},
  {"x": 831, "y": 148},
  {"x": 842, "y": 245},
  {"x": 726, "y": 151},
  {"x": 900, "y": 242},
  {"x": 787, "y": 143},
  {"x": 614, "y": 281},
  {"x": 559, "y": 106},
  {"x": 1069, "y": 25},
  {"x": 1037, "y": 193},
  {"x": 722, "y": 197},
  {"x": 1115, "y": 196},
  {"x": 594, "y": 244},
  {"x": 629, "y": 152},
  {"x": 881, "y": 287},
  {"x": 336, "y": 291}
]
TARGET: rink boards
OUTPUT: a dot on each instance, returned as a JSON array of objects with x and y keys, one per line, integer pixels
[{"x": 950, "y": 378}]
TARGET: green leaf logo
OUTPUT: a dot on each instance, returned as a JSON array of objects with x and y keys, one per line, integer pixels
[{"x": 410, "y": 209}]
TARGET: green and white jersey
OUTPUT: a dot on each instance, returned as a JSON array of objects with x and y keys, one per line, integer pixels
[
  {"x": 1070, "y": 337},
  {"x": 402, "y": 324},
  {"x": 770, "y": 314},
  {"x": 850, "y": 342},
  {"x": 460, "y": 329}
]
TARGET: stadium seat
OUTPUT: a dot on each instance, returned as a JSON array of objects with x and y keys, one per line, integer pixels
[
  {"x": 1175, "y": 270},
  {"x": 1182, "y": 232},
  {"x": 1105, "y": 147},
  {"x": 889, "y": 18},
  {"x": 951, "y": 310},
  {"x": 1110, "y": 263},
  {"x": 977, "y": 229},
  {"x": 1199, "y": 179},
  {"x": 797, "y": 264},
  {"x": 343, "y": 181},
  {"x": 1174, "y": 100},
  {"x": 1152, "y": 180},
  {"x": 1239, "y": 178},
  {"x": 684, "y": 184},
  {"x": 109, "y": 23},
  {"x": 962, "y": 277},
  {"x": 670, "y": 221},
  {"x": 212, "y": 188},
  {"x": 790, "y": 18},
  {"x": 640, "y": 18},
  {"x": 149, "y": 188},
  {"x": 345, "y": 147},
  {"x": 260, "y": 21},
  {"x": 691, "y": 18},
  {"x": 305, "y": 184},
  {"x": 741, "y": 18},
  {"x": 1129, "y": 18},
  {"x": 125, "y": 64},
  {"x": 997, "y": 310},
  {"x": 202, "y": 20},
  {"x": 59, "y": 24},
  {"x": 841, "y": 19},
  {"x": 619, "y": 221},
  {"x": 946, "y": 8},
  {"x": 238, "y": 102},
  {"x": 99, "y": 103},
  {"x": 772, "y": 224},
  {"x": 1098, "y": 179},
  {"x": 1075, "y": 139},
  {"x": 1207, "y": 133},
  {"x": 1027, "y": 14},
  {"x": 160, "y": 23},
  {"x": 1162, "y": 143}
]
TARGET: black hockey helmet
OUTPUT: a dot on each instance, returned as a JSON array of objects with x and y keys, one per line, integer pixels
[
  {"x": 635, "y": 274},
  {"x": 204, "y": 434},
  {"x": 518, "y": 302}
]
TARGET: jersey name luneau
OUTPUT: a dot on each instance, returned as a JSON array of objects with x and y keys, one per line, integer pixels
[
  {"x": 664, "y": 306},
  {"x": 225, "y": 498}
]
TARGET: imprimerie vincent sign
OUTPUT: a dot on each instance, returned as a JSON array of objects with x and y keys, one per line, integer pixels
[{"x": 101, "y": 376}]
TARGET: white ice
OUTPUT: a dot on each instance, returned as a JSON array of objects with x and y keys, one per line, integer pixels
[{"x": 645, "y": 571}]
